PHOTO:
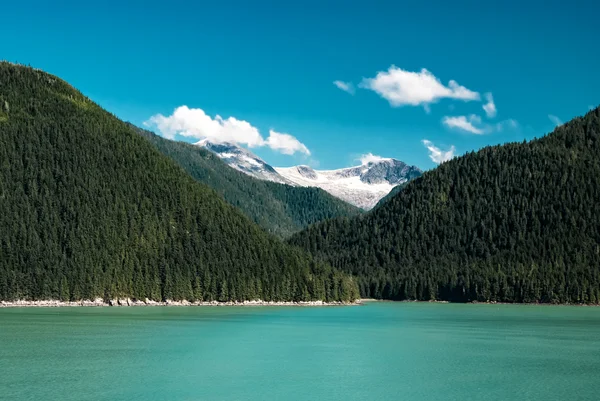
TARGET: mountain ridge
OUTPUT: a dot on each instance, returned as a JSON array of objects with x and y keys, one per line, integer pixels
[
  {"x": 278, "y": 208},
  {"x": 243, "y": 160},
  {"x": 93, "y": 210},
  {"x": 518, "y": 222},
  {"x": 362, "y": 186}
]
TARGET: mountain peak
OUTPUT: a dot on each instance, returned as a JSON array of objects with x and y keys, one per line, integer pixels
[
  {"x": 361, "y": 186},
  {"x": 243, "y": 160},
  {"x": 307, "y": 172}
]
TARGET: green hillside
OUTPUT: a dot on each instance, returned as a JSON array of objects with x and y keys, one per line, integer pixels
[
  {"x": 90, "y": 209},
  {"x": 516, "y": 223},
  {"x": 279, "y": 209}
]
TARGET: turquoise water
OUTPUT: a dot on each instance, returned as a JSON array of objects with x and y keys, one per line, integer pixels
[{"x": 380, "y": 351}]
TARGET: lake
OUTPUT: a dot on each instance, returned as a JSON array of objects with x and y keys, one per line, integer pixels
[{"x": 379, "y": 351}]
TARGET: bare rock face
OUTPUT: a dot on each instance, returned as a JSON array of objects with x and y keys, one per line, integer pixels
[
  {"x": 243, "y": 160},
  {"x": 363, "y": 186},
  {"x": 307, "y": 172},
  {"x": 95, "y": 302},
  {"x": 391, "y": 171}
]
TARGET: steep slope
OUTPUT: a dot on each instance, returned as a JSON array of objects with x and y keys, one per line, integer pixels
[
  {"x": 91, "y": 209},
  {"x": 279, "y": 209},
  {"x": 515, "y": 223},
  {"x": 362, "y": 186},
  {"x": 243, "y": 160}
]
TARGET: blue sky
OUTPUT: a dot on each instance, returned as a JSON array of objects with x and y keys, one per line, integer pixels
[{"x": 271, "y": 66}]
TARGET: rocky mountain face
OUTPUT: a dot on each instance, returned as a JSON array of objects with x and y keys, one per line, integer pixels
[
  {"x": 243, "y": 160},
  {"x": 362, "y": 186}
]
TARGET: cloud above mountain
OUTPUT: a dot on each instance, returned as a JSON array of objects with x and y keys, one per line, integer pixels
[
  {"x": 370, "y": 158},
  {"x": 345, "y": 86},
  {"x": 555, "y": 120},
  {"x": 464, "y": 123},
  {"x": 438, "y": 155},
  {"x": 195, "y": 123},
  {"x": 473, "y": 124},
  {"x": 285, "y": 143},
  {"x": 407, "y": 88},
  {"x": 490, "y": 106}
]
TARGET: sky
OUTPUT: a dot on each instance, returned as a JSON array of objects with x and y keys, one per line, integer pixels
[{"x": 323, "y": 83}]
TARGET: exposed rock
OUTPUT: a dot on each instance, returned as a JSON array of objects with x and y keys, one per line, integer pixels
[
  {"x": 123, "y": 302},
  {"x": 135, "y": 302},
  {"x": 243, "y": 160}
]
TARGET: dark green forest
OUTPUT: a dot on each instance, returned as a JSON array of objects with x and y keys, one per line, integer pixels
[
  {"x": 279, "y": 209},
  {"x": 89, "y": 208},
  {"x": 515, "y": 223}
]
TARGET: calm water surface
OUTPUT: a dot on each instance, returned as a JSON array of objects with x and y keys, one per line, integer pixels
[{"x": 381, "y": 351}]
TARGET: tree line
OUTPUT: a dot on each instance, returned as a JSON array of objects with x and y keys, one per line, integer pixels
[
  {"x": 518, "y": 222},
  {"x": 278, "y": 208},
  {"x": 89, "y": 209}
]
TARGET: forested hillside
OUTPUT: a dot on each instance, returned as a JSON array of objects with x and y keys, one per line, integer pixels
[
  {"x": 516, "y": 223},
  {"x": 278, "y": 208},
  {"x": 89, "y": 208}
]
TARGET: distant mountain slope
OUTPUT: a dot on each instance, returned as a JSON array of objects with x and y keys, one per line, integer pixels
[
  {"x": 362, "y": 186},
  {"x": 515, "y": 223},
  {"x": 391, "y": 194},
  {"x": 280, "y": 209},
  {"x": 91, "y": 209},
  {"x": 243, "y": 160}
]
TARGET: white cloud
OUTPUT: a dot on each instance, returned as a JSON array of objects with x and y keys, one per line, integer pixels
[
  {"x": 555, "y": 120},
  {"x": 490, "y": 106},
  {"x": 195, "y": 123},
  {"x": 591, "y": 107},
  {"x": 285, "y": 143},
  {"x": 438, "y": 155},
  {"x": 370, "y": 158},
  {"x": 472, "y": 124},
  {"x": 345, "y": 86},
  {"x": 401, "y": 87},
  {"x": 464, "y": 123},
  {"x": 510, "y": 123}
]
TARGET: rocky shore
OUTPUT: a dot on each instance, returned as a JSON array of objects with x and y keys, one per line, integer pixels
[{"x": 99, "y": 302}]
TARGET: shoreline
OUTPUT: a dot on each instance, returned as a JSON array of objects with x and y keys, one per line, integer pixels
[
  {"x": 369, "y": 300},
  {"x": 128, "y": 302}
]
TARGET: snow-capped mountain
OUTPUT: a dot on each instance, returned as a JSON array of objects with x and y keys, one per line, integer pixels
[
  {"x": 362, "y": 186},
  {"x": 243, "y": 160}
]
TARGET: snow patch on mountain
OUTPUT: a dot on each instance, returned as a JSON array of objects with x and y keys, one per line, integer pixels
[
  {"x": 362, "y": 186},
  {"x": 243, "y": 160}
]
